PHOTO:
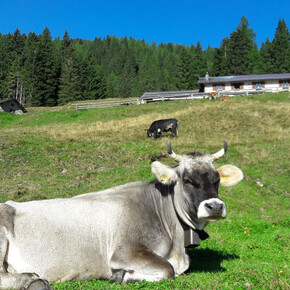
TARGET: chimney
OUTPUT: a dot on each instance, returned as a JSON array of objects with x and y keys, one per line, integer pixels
[{"x": 207, "y": 77}]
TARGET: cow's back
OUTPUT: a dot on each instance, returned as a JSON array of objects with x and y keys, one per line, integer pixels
[{"x": 51, "y": 235}]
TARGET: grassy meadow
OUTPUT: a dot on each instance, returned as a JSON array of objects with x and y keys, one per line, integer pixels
[{"x": 60, "y": 152}]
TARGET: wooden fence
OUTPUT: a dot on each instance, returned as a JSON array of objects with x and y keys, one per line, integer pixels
[
  {"x": 105, "y": 104},
  {"x": 166, "y": 96}
]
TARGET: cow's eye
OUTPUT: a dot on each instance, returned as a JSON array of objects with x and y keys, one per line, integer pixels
[
  {"x": 216, "y": 183},
  {"x": 191, "y": 182},
  {"x": 195, "y": 183}
]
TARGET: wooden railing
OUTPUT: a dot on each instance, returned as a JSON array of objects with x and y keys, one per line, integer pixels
[{"x": 105, "y": 104}]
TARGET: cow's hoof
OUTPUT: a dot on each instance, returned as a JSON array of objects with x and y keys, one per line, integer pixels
[
  {"x": 39, "y": 284},
  {"x": 118, "y": 276}
]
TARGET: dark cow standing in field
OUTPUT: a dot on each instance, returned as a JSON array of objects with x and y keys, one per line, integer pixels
[
  {"x": 127, "y": 233},
  {"x": 165, "y": 125}
]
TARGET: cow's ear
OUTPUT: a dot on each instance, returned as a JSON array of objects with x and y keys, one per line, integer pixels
[
  {"x": 230, "y": 175},
  {"x": 164, "y": 173}
]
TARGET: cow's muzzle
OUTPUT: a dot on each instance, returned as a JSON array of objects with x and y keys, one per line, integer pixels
[{"x": 211, "y": 209}]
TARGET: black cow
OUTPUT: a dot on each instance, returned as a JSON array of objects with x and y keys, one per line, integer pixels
[{"x": 165, "y": 125}]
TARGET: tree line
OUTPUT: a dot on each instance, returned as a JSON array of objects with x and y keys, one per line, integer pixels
[{"x": 41, "y": 71}]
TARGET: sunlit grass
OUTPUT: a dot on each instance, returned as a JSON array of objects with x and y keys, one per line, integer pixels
[{"x": 62, "y": 153}]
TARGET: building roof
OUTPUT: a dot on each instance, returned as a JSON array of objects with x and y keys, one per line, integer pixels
[
  {"x": 168, "y": 94},
  {"x": 243, "y": 78}
]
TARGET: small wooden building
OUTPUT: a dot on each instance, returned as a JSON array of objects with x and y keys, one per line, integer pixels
[{"x": 12, "y": 106}]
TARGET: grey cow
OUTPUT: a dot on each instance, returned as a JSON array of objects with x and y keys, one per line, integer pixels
[{"x": 127, "y": 233}]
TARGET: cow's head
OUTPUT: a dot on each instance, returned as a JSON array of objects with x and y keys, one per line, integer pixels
[
  {"x": 196, "y": 185},
  {"x": 149, "y": 133}
]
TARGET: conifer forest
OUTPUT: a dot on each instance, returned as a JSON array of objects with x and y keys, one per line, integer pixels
[{"x": 42, "y": 71}]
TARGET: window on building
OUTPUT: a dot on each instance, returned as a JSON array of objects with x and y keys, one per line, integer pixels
[
  {"x": 237, "y": 86},
  {"x": 286, "y": 84},
  {"x": 219, "y": 87},
  {"x": 258, "y": 86}
]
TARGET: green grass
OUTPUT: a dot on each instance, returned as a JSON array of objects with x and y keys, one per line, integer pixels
[{"x": 61, "y": 153}]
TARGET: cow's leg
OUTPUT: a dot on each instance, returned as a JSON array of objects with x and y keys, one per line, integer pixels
[
  {"x": 137, "y": 264},
  {"x": 174, "y": 131},
  {"x": 156, "y": 134},
  {"x": 29, "y": 281}
]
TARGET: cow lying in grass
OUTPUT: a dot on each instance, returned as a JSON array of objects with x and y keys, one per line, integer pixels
[{"x": 127, "y": 233}]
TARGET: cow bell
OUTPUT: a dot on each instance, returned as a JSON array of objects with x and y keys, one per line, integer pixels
[{"x": 192, "y": 237}]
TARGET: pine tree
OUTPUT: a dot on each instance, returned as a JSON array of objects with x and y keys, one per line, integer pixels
[
  {"x": 242, "y": 52},
  {"x": 30, "y": 69},
  {"x": 209, "y": 55},
  {"x": 148, "y": 77},
  {"x": 70, "y": 88},
  {"x": 112, "y": 86},
  {"x": 47, "y": 81},
  {"x": 15, "y": 83},
  {"x": 220, "y": 63},
  {"x": 182, "y": 70},
  {"x": 114, "y": 58},
  {"x": 5, "y": 63},
  {"x": 266, "y": 58},
  {"x": 198, "y": 66},
  {"x": 11, "y": 48},
  {"x": 95, "y": 86},
  {"x": 167, "y": 61},
  {"x": 18, "y": 43},
  {"x": 281, "y": 48},
  {"x": 128, "y": 72}
]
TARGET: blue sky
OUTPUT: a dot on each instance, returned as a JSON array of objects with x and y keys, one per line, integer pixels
[{"x": 178, "y": 21}]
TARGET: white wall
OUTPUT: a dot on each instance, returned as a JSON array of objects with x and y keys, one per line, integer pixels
[{"x": 270, "y": 85}]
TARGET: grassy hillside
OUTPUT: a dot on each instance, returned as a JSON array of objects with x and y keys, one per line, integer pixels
[{"x": 62, "y": 153}]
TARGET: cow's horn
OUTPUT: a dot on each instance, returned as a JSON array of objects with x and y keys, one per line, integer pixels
[
  {"x": 171, "y": 152},
  {"x": 220, "y": 153}
]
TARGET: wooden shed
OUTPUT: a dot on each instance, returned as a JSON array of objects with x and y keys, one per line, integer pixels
[{"x": 12, "y": 106}]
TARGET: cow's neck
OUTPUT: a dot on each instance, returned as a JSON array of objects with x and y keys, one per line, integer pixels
[{"x": 161, "y": 196}]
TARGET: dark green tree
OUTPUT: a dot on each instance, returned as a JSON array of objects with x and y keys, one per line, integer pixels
[
  {"x": 148, "y": 70},
  {"x": 5, "y": 63},
  {"x": 281, "y": 48},
  {"x": 242, "y": 52},
  {"x": 70, "y": 87},
  {"x": 11, "y": 51},
  {"x": 266, "y": 58},
  {"x": 18, "y": 43},
  {"x": 167, "y": 60},
  {"x": 47, "y": 72},
  {"x": 209, "y": 55},
  {"x": 220, "y": 63},
  {"x": 15, "y": 83},
  {"x": 95, "y": 84},
  {"x": 129, "y": 71},
  {"x": 112, "y": 85},
  {"x": 182, "y": 74},
  {"x": 30, "y": 68},
  {"x": 198, "y": 66}
]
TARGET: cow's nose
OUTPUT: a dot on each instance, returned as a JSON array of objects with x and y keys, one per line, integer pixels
[{"x": 214, "y": 207}]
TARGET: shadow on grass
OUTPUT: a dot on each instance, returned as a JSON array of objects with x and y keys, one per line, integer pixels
[{"x": 207, "y": 260}]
